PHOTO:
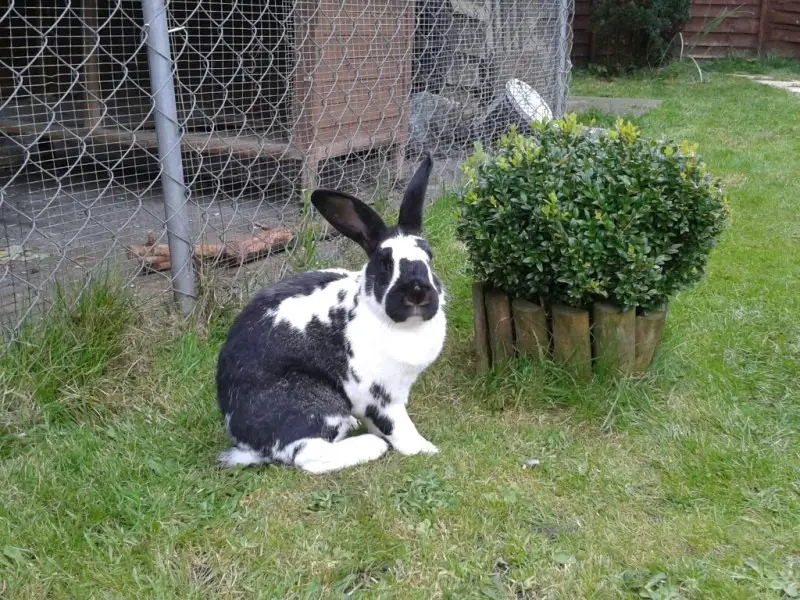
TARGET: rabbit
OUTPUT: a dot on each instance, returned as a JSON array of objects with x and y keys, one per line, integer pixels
[{"x": 312, "y": 355}]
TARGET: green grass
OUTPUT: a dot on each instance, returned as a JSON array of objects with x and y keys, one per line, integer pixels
[{"x": 685, "y": 484}]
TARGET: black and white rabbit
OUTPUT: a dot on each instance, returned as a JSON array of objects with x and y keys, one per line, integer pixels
[{"x": 313, "y": 353}]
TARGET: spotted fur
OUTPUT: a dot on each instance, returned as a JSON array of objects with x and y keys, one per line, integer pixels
[{"x": 311, "y": 355}]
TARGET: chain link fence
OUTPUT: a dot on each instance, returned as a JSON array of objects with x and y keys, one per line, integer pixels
[{"x": 158, "y": 138}]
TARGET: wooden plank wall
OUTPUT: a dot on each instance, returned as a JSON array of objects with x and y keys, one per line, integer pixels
[
  {"x": 581, "y": 35},
  {"x": 783, "y": 33},
  {"x": 735, "y": 35},
  {"x": 749, "y": 28},
  {"x": 361, "y": 74}
]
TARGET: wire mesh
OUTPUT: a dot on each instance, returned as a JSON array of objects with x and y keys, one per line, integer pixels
[{"x": 273, "y": 98}]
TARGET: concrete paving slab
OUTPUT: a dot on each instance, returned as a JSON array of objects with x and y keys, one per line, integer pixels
[
  {"x": 790, "y": 85},
  {"x": 616, "y": 106}
]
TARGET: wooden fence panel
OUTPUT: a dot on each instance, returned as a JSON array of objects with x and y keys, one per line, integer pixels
[
  {"x": 782, "y": 35},
  {"x": 581, "y": 34},
  {"x": 723, "y": 28},
  {"x": 719, "y": 28}
]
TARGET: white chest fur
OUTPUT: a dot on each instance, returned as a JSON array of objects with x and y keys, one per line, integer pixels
[{"x": 390, "y": 355}]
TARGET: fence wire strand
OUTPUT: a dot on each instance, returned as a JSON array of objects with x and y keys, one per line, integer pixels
[{"x": 273, "y": 98}]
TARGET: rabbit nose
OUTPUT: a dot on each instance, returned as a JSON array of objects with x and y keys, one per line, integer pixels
[{"x": 417, "y": 295}]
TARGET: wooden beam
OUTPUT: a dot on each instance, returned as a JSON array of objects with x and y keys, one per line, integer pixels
[
  {"x": 592, "y": 40},
  {"x": 94, "y": 107},
  {"x": 762, "y": 26},
  {"x": 309, "y": 56},
  {"x": 205, "y": 144}
]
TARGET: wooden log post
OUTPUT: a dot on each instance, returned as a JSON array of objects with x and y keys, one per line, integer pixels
[
  {"x": 397, "y": 160},
  {"x": 530, "y": 324},
  {"x": 500, "y": 325},
  {"x": 94, "y": 109},
  {"x": 309, "y": 174},
  {"x": 572, "y": 345},
  {"x": 649, "y": 331},
  {"x": 481, "y": 331},
  {"x": 614, "y": 333}
]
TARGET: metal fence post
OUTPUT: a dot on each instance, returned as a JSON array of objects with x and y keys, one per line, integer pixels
[
  {"x": 169, "y": 152},
  {"x": 562, "y": 57}
]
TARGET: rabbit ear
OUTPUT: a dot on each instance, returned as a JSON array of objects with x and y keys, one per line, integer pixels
[
  {"x": 351, "y": 217},
  {"x": 410, "y": 220}
]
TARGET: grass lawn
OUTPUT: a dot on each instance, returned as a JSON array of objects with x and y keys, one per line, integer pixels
[{"x": 683, "y": 485}]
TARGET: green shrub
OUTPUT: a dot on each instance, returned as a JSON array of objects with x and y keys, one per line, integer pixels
[
  {"x": 575, "y": 218},
  {"x": 636, "y": 33}
]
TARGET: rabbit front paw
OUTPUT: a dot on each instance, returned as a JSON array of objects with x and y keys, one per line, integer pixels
[
  {"x": 418, "y": 445},
  {"x": 393, "y": 423}
]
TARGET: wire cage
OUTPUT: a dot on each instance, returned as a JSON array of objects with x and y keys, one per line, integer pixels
[{"x": 273, "y": 98}]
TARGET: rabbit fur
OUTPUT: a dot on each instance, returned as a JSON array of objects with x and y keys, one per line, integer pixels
[{"x": 312, "y": 355}]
